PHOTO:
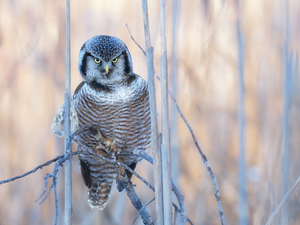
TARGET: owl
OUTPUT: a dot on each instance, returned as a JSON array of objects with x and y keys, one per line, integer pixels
[{"x": 114, "y": 102}]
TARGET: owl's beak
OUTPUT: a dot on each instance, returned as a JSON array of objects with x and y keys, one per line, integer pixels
[{"x": 106, "y": 69}]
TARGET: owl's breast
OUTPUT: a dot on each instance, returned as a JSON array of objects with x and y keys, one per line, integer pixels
[{"x": 121, "y": 115}]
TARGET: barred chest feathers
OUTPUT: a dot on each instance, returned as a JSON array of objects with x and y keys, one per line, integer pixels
[{"x": 121, "y": 112}]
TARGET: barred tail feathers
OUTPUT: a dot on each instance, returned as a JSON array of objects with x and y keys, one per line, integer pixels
[{"x": 98, "y": 195}]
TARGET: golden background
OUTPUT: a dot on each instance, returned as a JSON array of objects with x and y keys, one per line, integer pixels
[{"x": 32, "y": 86}]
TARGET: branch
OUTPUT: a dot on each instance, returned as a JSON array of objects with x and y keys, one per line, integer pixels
[
  {"x": 67, "y": 128},
  {"x": 127, "y": 183},
  {"x": 156, "y": 144},
  {"x": 283, "y": 201},
  {"x": 35, "y": 169},
  {"x": 142, "y": 209},
  {"x": 136, "y": 202},
  {"x": 178, "y": 210},
  {"x": 181, "y": 203},
  {"x": 135, "y": 40},
  {"x": 214, "y": 180},
  {"x": 213, "y": 177},
  {"x": 165, "y": 144},
  {"x": 113, "y": 161},
  {"x": 174, "y": 189},
  {"x": 128, "y": 188}
]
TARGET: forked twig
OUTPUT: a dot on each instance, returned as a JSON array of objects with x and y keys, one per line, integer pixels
[
  {"x": 136, "y": 202},
  {"x": 32, "y": 171},
  {"x": 142, "y": 210}
]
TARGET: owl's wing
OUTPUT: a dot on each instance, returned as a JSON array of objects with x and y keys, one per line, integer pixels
[{"x": 59, "y": 122}]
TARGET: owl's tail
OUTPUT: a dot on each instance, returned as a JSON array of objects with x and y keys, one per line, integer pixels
[
  {"x": 98, "y": 195},
  {"x": 98, "y": 176}
]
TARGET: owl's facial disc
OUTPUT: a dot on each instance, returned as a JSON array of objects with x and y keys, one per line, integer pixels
[{"x": 104, "y": 72}]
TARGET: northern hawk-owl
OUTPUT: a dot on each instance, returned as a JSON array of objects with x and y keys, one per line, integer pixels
[{"x": 115, "y": 101}]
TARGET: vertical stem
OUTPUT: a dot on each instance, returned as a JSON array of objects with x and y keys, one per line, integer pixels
[
  {"x": 173, "y": 114},
  {"x": 165, "y": 147},
  {"x": 285, "y": 154},
  {"x": 241, "y": 115},
  {"x": 157, "y": 167},
  {"x": 68, "y": 149}
]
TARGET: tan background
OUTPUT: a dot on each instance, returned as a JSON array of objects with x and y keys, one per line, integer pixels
[{"x": 32, "y": 85}]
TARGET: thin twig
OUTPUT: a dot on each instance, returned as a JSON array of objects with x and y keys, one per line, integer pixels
[
  {"x": 214, "y": 180},
  {"x": 35, "y": 169},
  {"x": 54, "y": 177},
  {"x": 135, "y": 40},
  {"x": 283, "y": 202},
  {"x": 142, "y": 209}
]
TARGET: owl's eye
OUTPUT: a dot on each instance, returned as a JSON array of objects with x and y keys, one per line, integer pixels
[
  {"x": 97, "y": 60},
  {"x": 115, "y": 60}
]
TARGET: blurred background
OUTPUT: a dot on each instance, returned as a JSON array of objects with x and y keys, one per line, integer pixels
[{"x": 203, "y": 37}]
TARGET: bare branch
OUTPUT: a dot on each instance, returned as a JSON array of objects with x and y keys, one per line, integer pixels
[
  {"x": 214, "y": 180},
  {"x": 135, "y": 40},
  {"x": 136, "y": 202},
  {"x": 35, "y": 169},
  {"x": 178, "y": 210},
  {"x": 157, "y": 166},
  {"x": 165, "y": 145},
  {"x": 283, "y": 201},
  {"x": 113, "y": 161},
  {"x": 181, "y": 203},
  {"x": 174, "y": 188},
  {"x": 142, "y": 209},
  {"x": 67, "y": 128}
]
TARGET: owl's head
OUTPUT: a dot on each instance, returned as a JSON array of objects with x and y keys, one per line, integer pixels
[{"x": 105, "y": 60}]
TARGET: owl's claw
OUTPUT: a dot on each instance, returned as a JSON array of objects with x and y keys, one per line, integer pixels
[{"x": 104, "y": 144}]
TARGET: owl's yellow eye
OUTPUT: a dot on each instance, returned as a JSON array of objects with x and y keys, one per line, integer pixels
[
  {"x": 115, "y": 60},
  {"x": 97, "y": 60}
]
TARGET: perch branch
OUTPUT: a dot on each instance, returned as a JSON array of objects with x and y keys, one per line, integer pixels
[
  {"x": 136, "y": 202},
  {"x": 114, "y": 162},
  {"x": 142, "y": 209},
  {"x": 127, "y": 184}
]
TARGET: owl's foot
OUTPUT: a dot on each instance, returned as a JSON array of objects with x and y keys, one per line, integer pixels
[{"x": 103, "y": 143}]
